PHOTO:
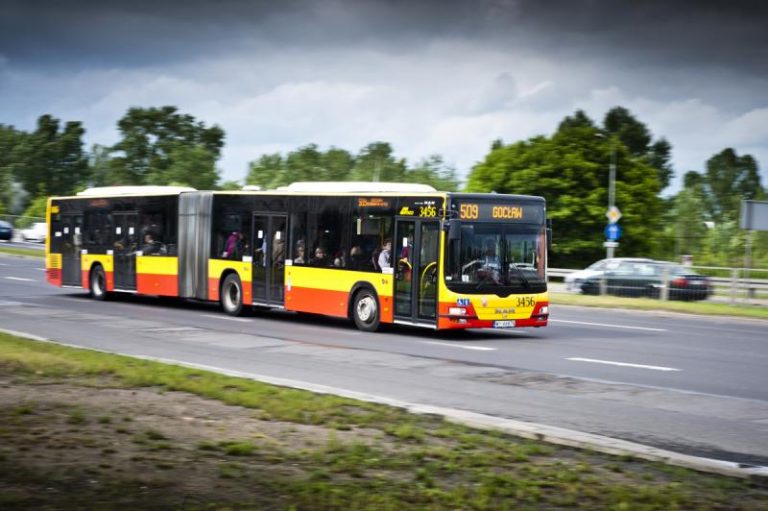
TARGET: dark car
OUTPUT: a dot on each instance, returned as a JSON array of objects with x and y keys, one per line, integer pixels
[
  {"x": 6, "y": 231},
  {"x": 646, "y": 279}
]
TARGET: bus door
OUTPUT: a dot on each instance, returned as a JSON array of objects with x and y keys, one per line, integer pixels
[
  {"x": 71, "y": 246},
  {"x": 269, "y": 243},
  {"x": 124, "y": 247},
  {"x": 415, "y": 262}
]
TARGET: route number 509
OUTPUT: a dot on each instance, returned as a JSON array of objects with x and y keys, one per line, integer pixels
[{"x": 469, "y": 211}]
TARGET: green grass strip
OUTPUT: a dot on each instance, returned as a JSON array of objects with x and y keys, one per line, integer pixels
[
  {"x": 412, "y": 462},
  {"x": 705, "y": 308},
  {"x": 26, "y": 252}
]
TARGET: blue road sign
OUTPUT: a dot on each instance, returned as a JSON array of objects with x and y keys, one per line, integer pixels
[{"x": 612, "y": 232}]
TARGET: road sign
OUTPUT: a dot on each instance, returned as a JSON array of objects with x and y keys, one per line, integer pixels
[
  {"x": 613, "y": 214},
  {"x": 612, "y": 232},
  {"x": 610, "y": 244}
]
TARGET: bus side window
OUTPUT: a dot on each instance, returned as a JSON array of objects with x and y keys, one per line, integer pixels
[{"x": 298, "y": 238}]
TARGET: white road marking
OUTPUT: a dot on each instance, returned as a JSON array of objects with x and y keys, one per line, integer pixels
[
  {"x": 623, "y": 364},
  {"x": 3, "y": 264},
  {"x": 225, "y": 318},
  {"x": 462, "y": 346},
  {"x": 21, "y": 279},
  {"x": 609, "y": 326}
]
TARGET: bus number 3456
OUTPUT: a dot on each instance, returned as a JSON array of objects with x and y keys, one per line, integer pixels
[{"x": 525, "y": 301}]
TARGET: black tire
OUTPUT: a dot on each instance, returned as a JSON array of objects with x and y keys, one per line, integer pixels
[
  {"x": 98, "y": 284},
  {"x": 232, "y": 295},
  {"x": 366, "y": 311}
]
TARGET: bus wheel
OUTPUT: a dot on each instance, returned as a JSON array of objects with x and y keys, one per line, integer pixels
[
  {"x": 365, "y": 311},
  {"x": 98, "y": 283},
  {"x": 232, "y": 295}
]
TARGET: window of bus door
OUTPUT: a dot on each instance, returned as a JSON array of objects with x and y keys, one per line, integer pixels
[{"x": 427, "y": 270}]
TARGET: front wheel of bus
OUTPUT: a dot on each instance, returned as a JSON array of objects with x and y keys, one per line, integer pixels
[
  {"x": 98, "y": 283},
  {"x": 232, "y": 295},
  {"x": 365, "y": 311}
]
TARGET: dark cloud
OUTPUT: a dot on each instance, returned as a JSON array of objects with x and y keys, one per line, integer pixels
[{"x": 140, "y": 32}]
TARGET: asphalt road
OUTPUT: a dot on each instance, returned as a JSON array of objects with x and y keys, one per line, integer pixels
[{"x": 697, "y": 385}]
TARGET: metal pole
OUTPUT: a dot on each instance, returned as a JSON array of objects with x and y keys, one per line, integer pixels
[{"x": 611, "y": 190}]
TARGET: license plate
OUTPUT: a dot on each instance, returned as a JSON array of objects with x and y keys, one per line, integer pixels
[{"x": 503, "y": 324}]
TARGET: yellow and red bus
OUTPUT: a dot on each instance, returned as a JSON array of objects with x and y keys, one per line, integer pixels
[{"x": 376, "y": 253}]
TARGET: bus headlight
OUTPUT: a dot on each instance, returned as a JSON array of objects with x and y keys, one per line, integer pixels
[{"x": 544, "y": 310}]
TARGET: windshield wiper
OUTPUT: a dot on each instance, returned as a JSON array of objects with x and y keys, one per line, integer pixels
[{"x": 520, "y": 274}]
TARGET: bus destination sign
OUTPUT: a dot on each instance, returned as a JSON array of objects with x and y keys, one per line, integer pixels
[{"x": 509, "y": 212}]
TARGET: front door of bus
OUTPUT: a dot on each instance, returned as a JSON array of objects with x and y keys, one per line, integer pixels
[
  {"x": 124, "y": 247},
  {"x": 71, "y": 246},
  {"x": 415, "y": 262},
  {"x": 269, "y": 238}
]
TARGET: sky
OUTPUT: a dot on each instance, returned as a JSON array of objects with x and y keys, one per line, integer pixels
[{"x": 431, "y": 77}]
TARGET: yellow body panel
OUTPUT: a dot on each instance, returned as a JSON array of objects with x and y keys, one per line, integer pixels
[
  {"x": 157, "y": 265},
  {"x": 87, "y": 260},
  {"x": 218, "y": 266},
  {"x": 336, "y": 280},
  {"x": 53, "y": 261}
]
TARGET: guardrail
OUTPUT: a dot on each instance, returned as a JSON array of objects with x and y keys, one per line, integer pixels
[{"x": 741, "y": 285}]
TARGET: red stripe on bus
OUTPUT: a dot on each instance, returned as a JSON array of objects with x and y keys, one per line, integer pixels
[
  {"x": 318, "y": 301},
  {"x": 330, "y": 303},
  {"x": 154, "y": 284},
  {"x": 53, "y": 276},
  {"x": 213, "y": 289}
]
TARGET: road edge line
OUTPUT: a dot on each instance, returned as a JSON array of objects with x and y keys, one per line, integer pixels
[{"x": 529, "y": 430}]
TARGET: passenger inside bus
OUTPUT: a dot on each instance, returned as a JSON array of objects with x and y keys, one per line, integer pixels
[
  {"x": 234, "y": 246},
  {"x": 152, "y": 247},
  {"x": 385, "y": 257},
  {"x": 357, "y": 258},
  {"x": 300, "y": 257},
  {"x": 320, "y": 258}
]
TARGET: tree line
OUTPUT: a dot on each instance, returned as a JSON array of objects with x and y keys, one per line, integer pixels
[{"x": 163, "y": 146}]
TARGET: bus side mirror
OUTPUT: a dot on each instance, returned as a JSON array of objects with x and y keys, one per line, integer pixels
[
  {"x": 454, "y": 231},
  {"x": 549, "y": 234}
]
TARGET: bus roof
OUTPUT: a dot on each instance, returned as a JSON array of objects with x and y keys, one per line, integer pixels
[
  {"x": 111, "y": 191},
  {"x": 355, "y": 187}
]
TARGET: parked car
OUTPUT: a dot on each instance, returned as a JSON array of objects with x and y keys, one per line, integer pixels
[
  {"x": 646, "y": 279},
  {"x": 574, "y": 281},
  {"x": 6, "y": 231},
  {"x": 37, "y": 232}
]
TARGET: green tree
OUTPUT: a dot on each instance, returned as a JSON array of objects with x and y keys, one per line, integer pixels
[
  {"x": 376, "y": 162},
  {"x": 50, "y": 161},
  {"x": 9, "y": 139},
  {"x": 151, "y": 137},
  {"x": 266, "y": 171},
  {"x": 193, "y": 166},
  {"x": 636, "y": 137},
  {"x": 729, "y": 178},
  {"x": 689, "y": 225},
  {"x": 570, "y": 170},
  {"x": 435, "y": 172}
]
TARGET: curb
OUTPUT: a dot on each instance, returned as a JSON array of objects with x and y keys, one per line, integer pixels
[{"x": 528, "y": 430}]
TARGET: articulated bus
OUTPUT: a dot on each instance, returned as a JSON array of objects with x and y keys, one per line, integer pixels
[{"x": 375, "y": 253}]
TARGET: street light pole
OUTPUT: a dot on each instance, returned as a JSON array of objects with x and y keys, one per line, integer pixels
[{"x": 611, "y": 191}]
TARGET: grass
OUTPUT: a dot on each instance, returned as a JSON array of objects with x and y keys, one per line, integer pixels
[
  {"x": 26, "y": 252},
  {"x": 616, "y": 302},
  {"x": 385, "y": 459}
]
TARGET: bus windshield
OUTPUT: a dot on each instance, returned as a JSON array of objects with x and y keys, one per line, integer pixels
[{"x": 497, "y": 258}]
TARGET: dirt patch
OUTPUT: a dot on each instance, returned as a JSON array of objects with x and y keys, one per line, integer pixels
[{"x": 124, "y": 446}]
